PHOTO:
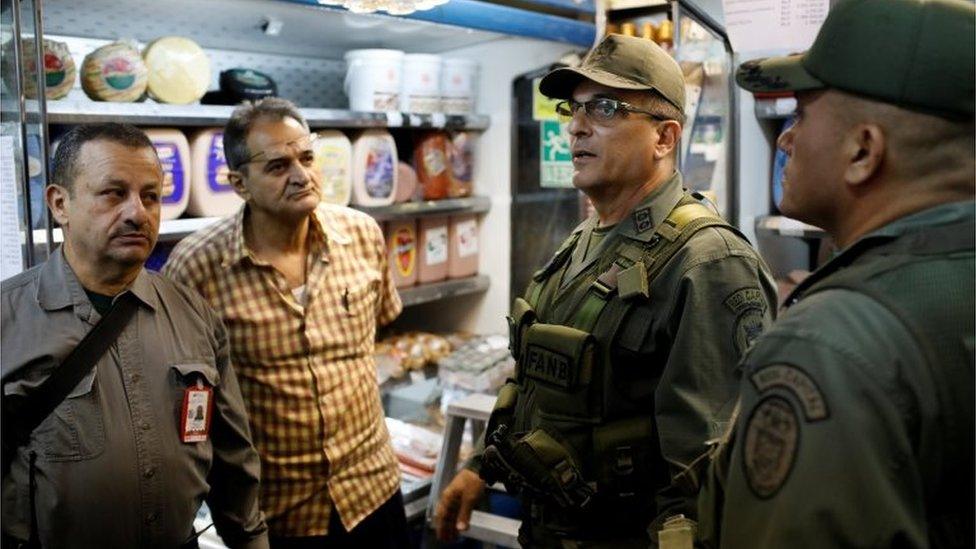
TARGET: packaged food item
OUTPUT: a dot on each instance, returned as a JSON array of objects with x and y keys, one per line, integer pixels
[
  {"x": 665, "y": 35},
  {"x": 333, "y": 160},
  {"x": 464, "y": 252},
  {"x": 421, "y": 83},
  {"x": 211, "y": 194},
  {"x": 114, "y": 72},
  {"x": 59, "y": 68},
  {"x": 430, "y": 161},
  {"x": 372, "y": 80},
  {"x": 374, "y": 168},
  {"x": 174, "y": 155},
  {"x": 179, "y": 70},
  {"x": 401, "y": 244},
  {"x": 460, "y": 155},
  {"x": 240, "y": 84},
  {"x": 407, "y": 185},
  {"x": 459, "y": 86},
  {"x": 434, "y": 249}
]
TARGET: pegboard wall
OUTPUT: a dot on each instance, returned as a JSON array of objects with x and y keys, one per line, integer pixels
[{"x": 307, "y": 81}]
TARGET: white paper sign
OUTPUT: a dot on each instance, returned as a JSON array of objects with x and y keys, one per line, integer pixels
[
  {"x": 11, "y": 258},
  {"x": 788, "y": 25}
]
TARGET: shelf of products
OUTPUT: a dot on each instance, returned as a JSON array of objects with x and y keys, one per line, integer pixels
[
  {"x": 174, "y": 229},
  {"x": 151, "y": 113},
  {"x": 775, "y": 107},
  {"x": 778, "y": 225},
  {"x": 426, "y": 293}
]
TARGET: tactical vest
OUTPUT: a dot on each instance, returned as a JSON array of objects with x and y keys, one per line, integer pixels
[
  {"x": 914, "y": 276},
  {"x": 570, "y": 432}
]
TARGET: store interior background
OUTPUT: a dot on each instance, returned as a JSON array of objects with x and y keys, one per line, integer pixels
[{"x": 513, "y": 42}]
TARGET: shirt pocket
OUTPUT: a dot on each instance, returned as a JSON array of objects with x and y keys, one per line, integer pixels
[
  {"x": 187, "y": 374},
  {"x": 360, "y": 300},
  {"x": 75, "y": 430}
]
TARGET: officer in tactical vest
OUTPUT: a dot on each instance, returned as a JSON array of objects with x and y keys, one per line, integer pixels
[
  {"x": 626, "y": 341},
  {"x": 856, "y": 421}
]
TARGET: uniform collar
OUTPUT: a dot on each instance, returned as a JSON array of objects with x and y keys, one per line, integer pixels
[
  {"x": 641, "y": 222},
  {"x": 323, "y": 231},
  {"x": 943, "y": 214},
  {"x": 58, "y": 286}
]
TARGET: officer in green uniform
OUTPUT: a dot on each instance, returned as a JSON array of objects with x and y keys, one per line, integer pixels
[
  {"x": 626, "y": 341},
  {"x": 856, "y": 421}
]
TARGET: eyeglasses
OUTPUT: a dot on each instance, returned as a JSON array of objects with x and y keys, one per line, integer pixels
[
  {"x": 295, "y": 147},
  {"x": 600, "y": 110}
]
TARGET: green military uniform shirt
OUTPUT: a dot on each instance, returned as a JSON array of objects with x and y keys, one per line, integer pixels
[
  {"x": 841, "y": 425},
  {"x": 675, "y": 351}
]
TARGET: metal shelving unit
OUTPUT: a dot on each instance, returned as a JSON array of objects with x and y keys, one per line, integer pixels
[
  {"x": 425, "y": 293},
  {"x": 151, "y": 113},
  {"x": 778, "y": 225}
]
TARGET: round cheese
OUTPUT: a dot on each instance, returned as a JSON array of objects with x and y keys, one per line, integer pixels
[
  {"x": 59, "y": 68},
  {"x": 179, "y": 70},
  {"x": 114, "y": 72}
]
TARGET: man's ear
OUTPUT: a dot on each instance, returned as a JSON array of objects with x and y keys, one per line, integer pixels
[
  {"x": 236, "y": 179},
  {"x": 864, "y": 152},
  {"x": 58, "y": 201},
  {"x": 668, "y": 135}
]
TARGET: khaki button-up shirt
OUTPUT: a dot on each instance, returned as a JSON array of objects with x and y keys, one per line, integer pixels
[
  {"x": 306, "y": 369},
  {"x": 111, "y": 469}
]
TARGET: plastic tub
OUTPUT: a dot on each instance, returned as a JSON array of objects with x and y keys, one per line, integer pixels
[
  {"x": 421, "y": 83},
  {"x": 211, "y": 194},
  {"x": 333, "y": 160},
  {"x": 372, "y": 80},
  {"x": 459, "y": 85},
  {"x": 374, "y": 169},
  {"x": 174, "y": 155}
]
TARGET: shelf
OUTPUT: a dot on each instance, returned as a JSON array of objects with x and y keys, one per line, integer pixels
[
  {"x": 769, "y": 108},
  {"x": 152, "y": 113},
  {"x": 778, "y": 225},
  {"x": 427, "y": 293},
  {"x": 472, "y": 204},
  {"x": 175, "y": 229}
]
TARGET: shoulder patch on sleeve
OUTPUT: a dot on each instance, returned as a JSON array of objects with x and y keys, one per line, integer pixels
[
  {"x": 746, "y": 298},
  {"x": 796, "y": 381},
  {"x": 772, "y": 437}
]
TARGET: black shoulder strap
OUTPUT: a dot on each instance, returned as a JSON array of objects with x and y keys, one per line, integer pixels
[{"x": 21, "y": 415}]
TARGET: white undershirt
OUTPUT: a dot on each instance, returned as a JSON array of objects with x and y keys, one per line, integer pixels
[{"x": 299, "y": 294}]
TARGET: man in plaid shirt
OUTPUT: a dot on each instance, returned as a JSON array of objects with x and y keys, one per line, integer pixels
[{"x": 302, "y": 286}]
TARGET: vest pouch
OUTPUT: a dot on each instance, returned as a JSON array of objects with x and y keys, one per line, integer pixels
[
  {"x": 623, "y": 459},
  {"x": 504, "y": 411},
  {"x": 523, "y": 316},
  {"x": 559, "y": 361},
  {"x": 552, "y": 469}
]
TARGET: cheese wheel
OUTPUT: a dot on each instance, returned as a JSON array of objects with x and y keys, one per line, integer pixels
[
  {"x": 59, "y": 68},
  {"x": 114, "y": 72},
  {"x": 179, "y": 70}
]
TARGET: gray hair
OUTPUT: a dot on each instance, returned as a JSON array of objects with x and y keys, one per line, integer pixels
[{"x": 243, "y": 119}]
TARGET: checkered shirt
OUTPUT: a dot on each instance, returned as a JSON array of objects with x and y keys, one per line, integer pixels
[{"x": 307, "y": 373}]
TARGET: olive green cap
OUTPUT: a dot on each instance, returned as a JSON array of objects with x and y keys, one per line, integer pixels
[
  {"x": 917, "y": 54},
  {"x": 623, "y": 62}
]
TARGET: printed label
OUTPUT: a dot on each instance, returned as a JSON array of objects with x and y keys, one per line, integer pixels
[
  {"x": 556, "y": 161},
  {"x": 118, "y": 73},
  {"x": 173, "y": 175},
  {"x": 467, "y": 235},
  {"x": 436, "y": 246},
  {"x": 217, "y": 166},
  {"x": 434, "y": 161},
  {"x": 405, "y": 251},
  {"x": 54, "y": 72},
  {"x": 332, "y": 162},
  {"x": 380, "y": 166},
  {"x": 546, "y": 365},
  {"x": 386, "y": 101}
]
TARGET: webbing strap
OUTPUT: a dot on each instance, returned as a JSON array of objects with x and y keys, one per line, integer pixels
[{"x": 534, "y": 291}]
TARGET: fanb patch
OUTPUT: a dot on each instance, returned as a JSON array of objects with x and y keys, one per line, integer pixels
[
  {"x": 796, "y": 381},
  {"x": 549, "y": 366},
  {"x": 771, "y": 442}
]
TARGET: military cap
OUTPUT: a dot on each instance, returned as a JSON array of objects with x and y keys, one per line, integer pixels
[
  {"x": 623, "y": 62},
  {"x": 917, "y": 54}
]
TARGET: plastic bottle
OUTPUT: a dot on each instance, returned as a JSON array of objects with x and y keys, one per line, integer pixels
[
  {"x": 211, "y": 194},
  {"x": 174, "y": 155},
  {"x": 374, "y": 169},
  {"x": 333, "y": 160}
]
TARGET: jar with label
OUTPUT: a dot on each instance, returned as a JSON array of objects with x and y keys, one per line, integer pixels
[
  {"x": 463, "y": 254},
  {"x": 434, "y": 252},
  {"x": 401, "y": 245},
  {"x": 430, "y": 161}
]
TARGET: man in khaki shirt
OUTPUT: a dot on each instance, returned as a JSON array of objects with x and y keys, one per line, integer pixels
[
  {"x": 302, "y": 286},
  {"x": 108, "y": 467}
]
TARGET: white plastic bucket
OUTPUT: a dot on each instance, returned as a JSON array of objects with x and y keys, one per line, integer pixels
[
  {"x": 459, "y": 85},
  {"x": 373, "y": 79},
  {"x": 421, "y": 89}
]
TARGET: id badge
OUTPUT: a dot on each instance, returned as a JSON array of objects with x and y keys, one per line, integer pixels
[{"x": 197, "y": 408}]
